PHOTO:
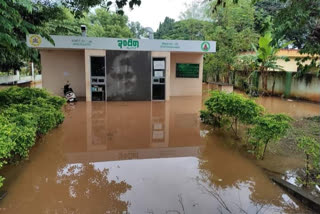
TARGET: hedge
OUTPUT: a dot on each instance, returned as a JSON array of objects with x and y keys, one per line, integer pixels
[{"x": 25, "y": 113}]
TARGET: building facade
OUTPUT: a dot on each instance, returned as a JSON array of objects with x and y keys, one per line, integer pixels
[{"x": 114, "y": 69}]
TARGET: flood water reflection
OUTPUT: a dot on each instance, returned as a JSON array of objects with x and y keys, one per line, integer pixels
[{"x": 139, "y": 157}]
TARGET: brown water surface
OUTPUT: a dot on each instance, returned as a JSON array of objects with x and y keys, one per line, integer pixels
[
  {"x": 294, "y": 108},
  {"x": 140, "y": 157}
]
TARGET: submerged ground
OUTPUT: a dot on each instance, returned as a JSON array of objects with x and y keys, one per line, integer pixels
[{"x": 144, "y": 157}]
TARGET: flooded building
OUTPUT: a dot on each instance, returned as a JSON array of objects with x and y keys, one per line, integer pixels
[{"x": 111, "y": 69}]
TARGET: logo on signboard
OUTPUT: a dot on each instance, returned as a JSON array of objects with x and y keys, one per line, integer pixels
[
  {"x": 35, "y": 40},
  {"x": 130, "y": 44},
  {"x": 205, "y": 46}
]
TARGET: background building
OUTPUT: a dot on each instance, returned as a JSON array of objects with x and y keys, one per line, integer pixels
[{"x": 122, "y": 69}]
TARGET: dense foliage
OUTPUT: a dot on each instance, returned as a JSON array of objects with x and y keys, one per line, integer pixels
[
  {"x": 289, "y": 20},
  {"x": 23, "y": 17},
  {"x": 25, "y": 113},
  {"x": 231, "y": 109},
  {"x": 233, "y": 29},
  {"x": 79, "y": 7},
  {"x": 311, "y": 148},
  {"x": 19, "y": 18},
  {"x": 190, "y": 29},
  {"x": 234, "y": 24},
  {"x": 137, "y": 30},
  {"x": 266, "y": 57},
  {"x": 267, "y": 128}
]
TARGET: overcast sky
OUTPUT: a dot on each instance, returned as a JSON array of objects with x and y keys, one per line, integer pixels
[{"x": 152, "y": 12}]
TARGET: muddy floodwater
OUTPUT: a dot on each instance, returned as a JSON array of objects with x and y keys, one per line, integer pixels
[{"x": 143, "y": 157}]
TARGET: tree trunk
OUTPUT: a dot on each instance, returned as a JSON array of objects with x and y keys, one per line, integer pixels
[
  {"x": 264, "y": 78},
  {"x": 264, "y": 150},
  {"x": 307, "y": 171},
  {"x": 266, "y": 81},
  {"x": 236, "y": 123},
  {"x": 273, "y": 85},
  {"x": 226, "y": 80}
]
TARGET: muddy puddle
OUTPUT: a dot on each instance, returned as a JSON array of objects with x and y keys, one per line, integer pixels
[{"x": 140, "y": 157}]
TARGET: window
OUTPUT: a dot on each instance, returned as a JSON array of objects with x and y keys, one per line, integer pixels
[{"x": 184, "y": 70}]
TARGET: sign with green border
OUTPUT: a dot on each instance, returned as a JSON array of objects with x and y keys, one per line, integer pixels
[
  {"x": 100, "y": 43},
  {"x": 205, "y": 46}
]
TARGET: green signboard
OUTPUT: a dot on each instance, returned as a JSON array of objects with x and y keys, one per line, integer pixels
[{"x": 184, "y": 70}]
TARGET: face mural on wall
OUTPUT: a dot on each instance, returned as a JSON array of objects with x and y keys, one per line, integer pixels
[
  {"x": 122, "y": 76},
  {"x": 128, "y": 75}
]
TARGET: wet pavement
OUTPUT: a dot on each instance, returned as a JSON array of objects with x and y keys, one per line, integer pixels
[{"x": 143, "y": 157}]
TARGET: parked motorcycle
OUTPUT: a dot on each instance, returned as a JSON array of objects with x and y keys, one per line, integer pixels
[{"x": 69, "y": 94}]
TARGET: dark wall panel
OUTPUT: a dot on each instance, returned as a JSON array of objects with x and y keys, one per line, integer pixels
[{"x": 128, "y": 75}]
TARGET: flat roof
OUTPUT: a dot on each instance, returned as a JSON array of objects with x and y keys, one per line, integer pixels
[{"x": 126, "y": 44}]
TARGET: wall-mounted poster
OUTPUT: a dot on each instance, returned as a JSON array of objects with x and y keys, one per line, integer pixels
[
  {"x": 158, "y": 73},
  {"x": 157, "y": 135},
  {"x": 158, "y": 64},
  {"x": 128, "y": 75}
]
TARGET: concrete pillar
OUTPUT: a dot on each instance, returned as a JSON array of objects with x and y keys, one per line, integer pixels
[{"x": 32, "y": 71}]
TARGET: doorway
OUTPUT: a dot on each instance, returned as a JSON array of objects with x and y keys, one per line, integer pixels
[
  {"x": 158, "y": 78},
  {"x": 98, "y": 78}
]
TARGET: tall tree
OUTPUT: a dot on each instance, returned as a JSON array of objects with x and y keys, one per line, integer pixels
[
  {"x": 137, "y": 30},
  {"x": 297, "y": 21},
  {"x": 78, "y": 7},
  {"x": 19, "y": 18},
  {"x": 23, "y": 17},
  {"x": 197, "y": 9},
  {"x": 266, "y": 55},
  {"x": 233, "y": 29},
  {"x": 190, "y": 29},
  {"x": 164, "y": 28},
  {"x": 103, "y": 23},
  {"x": 265, "y": 12}
]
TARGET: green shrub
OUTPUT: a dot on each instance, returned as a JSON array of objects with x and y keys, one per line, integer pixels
[
  {"x": 17, "y": 95},
  {"x": 24, "y": 114},
  {"x": 24, "y": 133},
  {"x": 212, "y": 119},
  {"x": 230, "y": 108},
  {"x": 311, "y": 149},
  {"x": 44, "y": 116},
  {"x": 224, "y": 109},
  {"x": 6, "y": 142},
  {"x": 243, "y": 84},
  {"x": 268, "y": 128}
]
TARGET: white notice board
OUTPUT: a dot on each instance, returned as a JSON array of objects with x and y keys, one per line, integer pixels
[{"x": 158, "y": 64}]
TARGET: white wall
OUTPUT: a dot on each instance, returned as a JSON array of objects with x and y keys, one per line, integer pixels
[
  {"x": 186, "y": 86},
  {"x": 60, "y": 66}
]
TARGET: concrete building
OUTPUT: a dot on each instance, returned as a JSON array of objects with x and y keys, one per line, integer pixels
[
  {"x": 122, "y": 69},
  {"x": 291, "y": 64},
  {"x": 285, "y": 81}
]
